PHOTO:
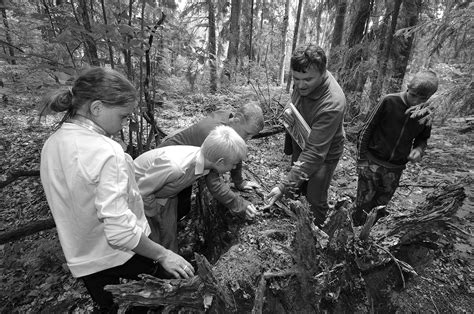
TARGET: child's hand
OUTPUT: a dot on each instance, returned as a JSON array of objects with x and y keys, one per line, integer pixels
[
  {"x": 176, "y": 265},
  {"x": 274, "y": 195},
  {"x": 251, "y": 212},
  {"x": 415, "y": 155}
]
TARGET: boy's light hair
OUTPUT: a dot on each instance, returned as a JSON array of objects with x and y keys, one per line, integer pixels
[
  {"x": 424, "y": 83},
  {"x": 224, "y": 142},
  {"x": 251, "y": 114}
]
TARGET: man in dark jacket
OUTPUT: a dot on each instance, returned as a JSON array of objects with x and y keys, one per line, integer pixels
[
  {"x": 395, "y": 132},
  {"x": 320, "y": 100}
]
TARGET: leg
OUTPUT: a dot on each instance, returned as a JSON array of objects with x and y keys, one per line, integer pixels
[
  {"x": 96, "y": 282},
  {"x": 317, "y": 191},
  {"x": 388, "y": 183},
  {"x": 367, "y": 186}
]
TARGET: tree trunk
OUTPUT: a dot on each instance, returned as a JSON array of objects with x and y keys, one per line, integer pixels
[
  {"x": 378, "y": 83},
  {"x": 295, "y": 40},
  {"x": 334, "y": 55},
  {"x": 410, "y": 13},
  {"x": 109, "y": 45},
  {"x": 8, "y": 38},
  {"x": 233, "y": 51},
  {"x": 304, "y": 21},
  {"x": 355, "y": 56},
  {"x": 91, "y": 48},
  {"x": 212, "y": 47},
  {"x": 251, "y": 58},
  {"x": 284, "y": 33}
]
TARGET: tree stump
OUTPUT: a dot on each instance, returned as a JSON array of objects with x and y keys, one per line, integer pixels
[{"x": 280, "y": 265}]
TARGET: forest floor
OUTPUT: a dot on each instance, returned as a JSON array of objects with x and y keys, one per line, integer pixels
[{"x": 33, "y": 275}]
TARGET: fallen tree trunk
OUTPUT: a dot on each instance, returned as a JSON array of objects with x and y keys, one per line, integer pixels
[
  {"x": 289, "y": 265},
  {"x": 26, "y": 230}
]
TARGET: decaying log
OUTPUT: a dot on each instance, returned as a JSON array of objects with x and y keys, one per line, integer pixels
[
  {"x": 198, "y": 294},
  {"x": 280, "y": 264}
]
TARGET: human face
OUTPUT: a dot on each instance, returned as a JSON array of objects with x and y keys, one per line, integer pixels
[
  {"x": 223, "y": 166},
  {"x": 112, "y": 119},
  {"x": 414, "y": 99},
  {"x": 307, "y": 82},
  {"x": 246, "y": 131}
]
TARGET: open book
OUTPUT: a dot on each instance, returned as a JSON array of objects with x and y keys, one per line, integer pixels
[{"x": 299, "y": 130}]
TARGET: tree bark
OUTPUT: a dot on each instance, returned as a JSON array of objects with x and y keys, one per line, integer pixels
[
  {"x": 251, "y": 58},
  {"x": 378, "y": 84},
  {"x": 297, "y": 267},
  {"x": 233, "y": 51},
  {"x": 334, "y": 55},
  {"x": 8, "y": 38},
  {"x": 91, "y": 48},
  {"x": 109, "y": 45},
  {"x": 212, "y": 46},
  {"x": 284, "y": 33},
  {"x": 295, "y": 39},
  {"x": 411, "y": 11}
]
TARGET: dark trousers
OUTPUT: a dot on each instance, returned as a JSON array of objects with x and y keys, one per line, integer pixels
[
  {"x": 96, "y": 282},
  {"x": 317, "y": 191},
  {"x": 316, "y": 188},
  {"x": 375, "y": 187}
]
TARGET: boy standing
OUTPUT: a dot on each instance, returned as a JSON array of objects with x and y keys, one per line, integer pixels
[
  {"x": 162, "y": 173},
  {"x": 396, "y": 131}
]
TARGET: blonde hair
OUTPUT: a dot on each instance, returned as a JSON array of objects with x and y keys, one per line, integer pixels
[
  {"x": 224, "y": 142},
  {"x": 106, "y": 85}
]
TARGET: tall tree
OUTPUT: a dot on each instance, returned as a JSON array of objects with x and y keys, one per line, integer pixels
[
  {"x": 411, "y": 11},
  {"x": 212, "y": 46},
  {"x": 383, "y": 57},
  {"x": 109, "y": 45},
  {"x": 295, "y": 38},
  {"x": 251, "y": 32},
  {"x": 11, "y": 51},
  {"x": 284, "y": 33},
  {"x": 90, "y": 46},
  {"x": 352, "y": 75},
  {"x": 233, "y": 51},
  {"x": 337, "y": 35}
]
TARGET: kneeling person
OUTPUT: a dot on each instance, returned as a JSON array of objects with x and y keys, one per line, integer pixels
[{"x": 162, "y": 173}]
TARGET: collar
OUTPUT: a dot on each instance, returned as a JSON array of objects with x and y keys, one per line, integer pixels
[
  {"x": 199, "y": 168},
  {"x": 321, "y": 89},
  {"x": 404, "y": 99},
  {"x": 87, "y": 124}
]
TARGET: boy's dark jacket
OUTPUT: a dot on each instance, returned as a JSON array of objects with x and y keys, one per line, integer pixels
[{"x": 389, "y": 133}]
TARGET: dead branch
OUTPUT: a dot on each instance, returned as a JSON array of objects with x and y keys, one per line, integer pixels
[
  {"x": 18, "y": 174},
  {"x": 268, "y": 132},
  {"x": 26, "y": 230}
]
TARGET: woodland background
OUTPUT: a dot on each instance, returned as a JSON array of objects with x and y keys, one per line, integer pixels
[{"x": 188, "y": 58}]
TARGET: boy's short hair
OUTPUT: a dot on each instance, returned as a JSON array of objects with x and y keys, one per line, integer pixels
[
  {"x": 307, "y": 56},
  {"x": 224, "y": 142},
  {"x": 251, "y": 114},
  {"x": 424, "y": 83}
]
